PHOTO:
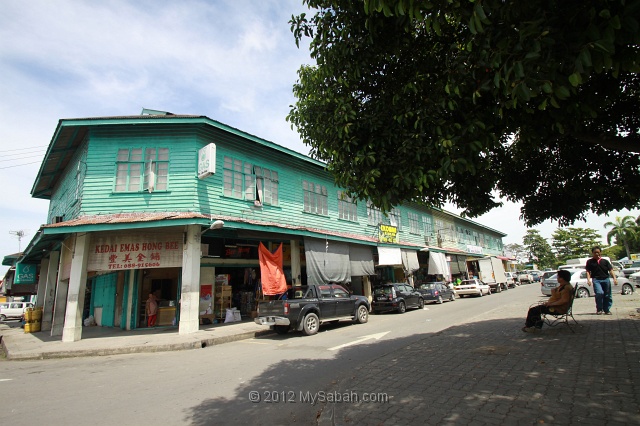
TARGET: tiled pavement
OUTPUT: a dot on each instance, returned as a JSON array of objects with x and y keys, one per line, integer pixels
[{"x": 490, "y": 372}]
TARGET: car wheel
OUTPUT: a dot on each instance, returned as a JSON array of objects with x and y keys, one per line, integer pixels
[
  {"x": 402, "y": 308},
  {"x": 362, "y": 314},
  {"x": 3, "y": 317},
  {"x": 310, "y": 324},
  {"x": 440, "y": 301},
  {"x": 453, "y": 298},
  {"x": 582, "y": 292},
  {"x": 421, "y": 304},
  {"x": 627, "y": 289},
  {"x": 281, "y": 329}
]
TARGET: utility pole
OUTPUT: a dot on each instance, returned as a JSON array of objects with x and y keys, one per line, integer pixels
[{"x": 19, "y": 234}]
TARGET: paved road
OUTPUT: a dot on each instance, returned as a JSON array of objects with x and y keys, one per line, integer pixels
[{"x": 197, "y": 387}]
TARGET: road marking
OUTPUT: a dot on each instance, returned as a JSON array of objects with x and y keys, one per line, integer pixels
[
  {"x": 5, "y": 380},
  {"x": 377, "y": 336}
]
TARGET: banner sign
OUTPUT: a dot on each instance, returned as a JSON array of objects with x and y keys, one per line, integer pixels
[
  {"x": 388, "y": 234},
  {"x": 109, "y": 252},
  {"x": 25, "y": 273}
]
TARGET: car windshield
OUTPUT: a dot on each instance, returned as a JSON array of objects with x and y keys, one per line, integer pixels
[
  {"x": 382, "y": 291},
  {"x": 428, "y": 286}
]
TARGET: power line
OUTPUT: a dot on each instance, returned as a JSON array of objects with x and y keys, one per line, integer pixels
[
  {"x": 18, "y": 165},
  {"x": 25, "y": 149},
  {"x": 22, "y": 158}
]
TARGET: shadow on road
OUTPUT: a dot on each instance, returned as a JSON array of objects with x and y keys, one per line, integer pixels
[{"x": 487, "y": 371}]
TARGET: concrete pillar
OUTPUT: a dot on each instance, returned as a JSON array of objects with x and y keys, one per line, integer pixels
[
  {"x": 50, "y": 290},
  {"x": 59, "y": 307},
  {"x": 366, "y": 288},
  {"x": 42, "y": 283},
  {"x": 72, "y": 331},
  {"x": 62, "y": 287},
  {"x": 295, "y": 262},
  {"x": 129, "y": 308},
  {"x": 190, "y": 293}
]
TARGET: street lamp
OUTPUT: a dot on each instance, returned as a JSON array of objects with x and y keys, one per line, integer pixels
[{"x": 218, "y": 224}]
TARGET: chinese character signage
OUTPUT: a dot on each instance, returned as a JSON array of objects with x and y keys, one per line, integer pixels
[
  {"x": 111, "y": 252},
  {"x": 207, "y": 161},
  {"x": 388, "y": 234},
  {"x": 25, "y": 274},
  {"x": 474, "y": 249}
]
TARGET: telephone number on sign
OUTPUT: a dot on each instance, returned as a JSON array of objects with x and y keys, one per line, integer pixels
[{"x": 136, "y": 265}]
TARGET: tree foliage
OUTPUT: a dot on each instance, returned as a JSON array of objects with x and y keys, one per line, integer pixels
[
  {"x": 538, "y": 249},
  {"x": 624, "y": 230},
  {"x": 451, "y": 100},
  {"x": 570, "y": 243}
]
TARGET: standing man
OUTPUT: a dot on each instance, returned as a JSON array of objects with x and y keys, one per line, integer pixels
[
  {"x": 598, "y": 271},
  {"x": 152, "y": 310}
]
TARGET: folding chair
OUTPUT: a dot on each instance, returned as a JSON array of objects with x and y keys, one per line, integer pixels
[{"x": 552, "y": 319}]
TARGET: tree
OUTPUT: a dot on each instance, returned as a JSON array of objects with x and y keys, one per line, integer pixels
[
  {"x": 518, "y": 251},
  {"x": 452, "y": 100},
  {"x": 574, "y": 242},
  {"x": 624, "y": 229},
  {"x": 539, "y": 249}
]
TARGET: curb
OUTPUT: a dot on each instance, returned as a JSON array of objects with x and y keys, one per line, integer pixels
[{"x": 198, "y": 344}]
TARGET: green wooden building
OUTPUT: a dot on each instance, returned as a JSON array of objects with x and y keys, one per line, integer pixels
[{"x": 177, "y": 205}]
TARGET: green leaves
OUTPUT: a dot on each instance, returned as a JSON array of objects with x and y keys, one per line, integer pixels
[{"x": 425, "y": 101}]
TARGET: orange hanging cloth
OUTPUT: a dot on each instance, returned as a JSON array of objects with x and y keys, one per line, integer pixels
[{"x": 271, "y": 271}]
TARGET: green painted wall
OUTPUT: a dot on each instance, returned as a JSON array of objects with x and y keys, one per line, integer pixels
[{"x": 186, "y": 192}]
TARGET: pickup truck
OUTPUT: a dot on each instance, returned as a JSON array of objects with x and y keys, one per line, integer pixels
[
  {"x": 525, "y": 277},
  {"x": 306, "y": 307}
]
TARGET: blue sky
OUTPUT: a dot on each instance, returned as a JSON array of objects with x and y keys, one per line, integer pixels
[{"x": 234, "y": 61}]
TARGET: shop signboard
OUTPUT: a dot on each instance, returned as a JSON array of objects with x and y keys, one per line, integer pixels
[
  {"x": 25, "y": 273},
  {"x": 113, "y": 252},
  {"x": 388, "y": 234},
  {"x": 207, "y": 161},
  {"x": 474, "y": 249}
]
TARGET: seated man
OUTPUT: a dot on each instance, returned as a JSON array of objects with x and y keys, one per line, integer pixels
[{"x": 558, "y": 303}]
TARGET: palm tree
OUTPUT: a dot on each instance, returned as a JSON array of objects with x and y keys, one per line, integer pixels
[{"x": 623, "y": 229}]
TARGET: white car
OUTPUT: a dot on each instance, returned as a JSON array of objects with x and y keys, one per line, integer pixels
[
  {"x": 512, "y": 279},
  {"x": 9, "y": 310},
  {"x": 525, "y": 277},
  {"x": 579, "y": 278},
  {"x": 473, "y": 287}
]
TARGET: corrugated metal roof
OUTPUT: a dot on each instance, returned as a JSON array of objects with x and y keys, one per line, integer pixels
[{"x": 126, "y": 218}]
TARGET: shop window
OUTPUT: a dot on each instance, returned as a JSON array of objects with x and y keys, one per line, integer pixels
[
  {"x": 315, "y": 198},
  {"x": 139, "y": 169},
  {"x": 347, "y": 207},
  {"x": 245, "y": 181}
]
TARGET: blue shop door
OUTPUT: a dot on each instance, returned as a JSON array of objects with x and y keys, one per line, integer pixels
[{"x": 105, "y": 297}]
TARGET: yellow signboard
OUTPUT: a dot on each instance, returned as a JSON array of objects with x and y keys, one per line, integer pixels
[{"x": 388, "y": 234}]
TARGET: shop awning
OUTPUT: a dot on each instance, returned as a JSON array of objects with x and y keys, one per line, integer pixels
[
  {"x": 438, "y": 264},
  {"x": 410, "y": 260},
  {"x": 389, "y": 256},
  {"x": 327, "y": 261},
  {"x": 361, "y": 260}
]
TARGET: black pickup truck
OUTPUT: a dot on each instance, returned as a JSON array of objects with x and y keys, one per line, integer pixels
[{"x": 306, "y": 307}]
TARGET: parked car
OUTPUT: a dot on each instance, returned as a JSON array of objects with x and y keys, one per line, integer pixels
[
  {"x": 525, "y": 277},
  {"x": 512, "y": 279},
  {"x": 547, "y": 274},
  {"x": 630, "y": 270},
  {"x": 634, "y": 281},
  {"x": 579, "y": 278},
  {"x": 307, "y": 307},
  {"x": 396, "y": 297},
  {"x": 536, "y": 275},
  {"x": 9, "y": 310},
  {"x": 436, "y": 292},
  {"x": 474, "y": 287}
]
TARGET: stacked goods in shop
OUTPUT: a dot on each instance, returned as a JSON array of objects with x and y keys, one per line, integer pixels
[
  {"x": 33, "y": 318},
  {"x": 222, "y": 300}
]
